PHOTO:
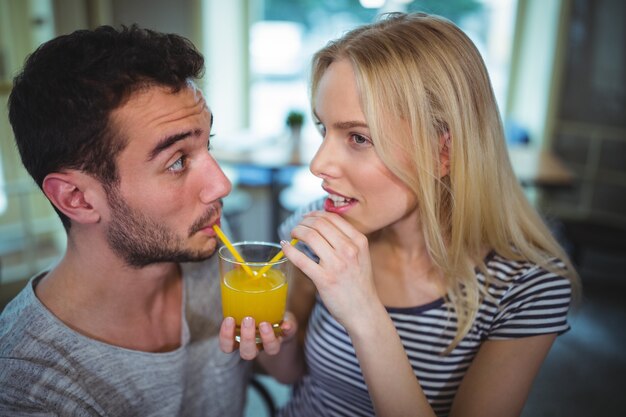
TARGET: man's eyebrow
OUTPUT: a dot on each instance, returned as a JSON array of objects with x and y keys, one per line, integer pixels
[{"x": 169, "y": 141}]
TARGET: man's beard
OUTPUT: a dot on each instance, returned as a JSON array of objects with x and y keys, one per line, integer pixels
[{"x": 141, "y": 241}]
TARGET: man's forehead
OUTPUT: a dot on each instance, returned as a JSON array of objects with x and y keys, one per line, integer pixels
[
  {"x": 156, "y": 102},
  {"x": 158, "y": 112},
  {"x": 199, "y": 94}
]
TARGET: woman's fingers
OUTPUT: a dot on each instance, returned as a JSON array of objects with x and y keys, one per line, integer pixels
[
  {"x": 339, "y": 246},
  {"x": 342, "y": 238},
  {"x": 227, "y": 335},
  {"x": 338, "y": 222},
  {"x": 343, "y": 275},
  {"x": 320, "y": 229},
  {"x": 271, "y": 344},
  {"x": 248, "y": 348},
  {"x": 289, "y": 326}
]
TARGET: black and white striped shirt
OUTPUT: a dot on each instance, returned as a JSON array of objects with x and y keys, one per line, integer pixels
[{"x": 526, "y": 300}]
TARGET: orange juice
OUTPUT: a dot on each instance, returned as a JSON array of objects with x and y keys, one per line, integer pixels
[{"x": 260, "y": 297}]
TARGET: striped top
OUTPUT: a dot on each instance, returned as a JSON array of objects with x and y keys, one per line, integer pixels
[{"x": 525, "y": 300}]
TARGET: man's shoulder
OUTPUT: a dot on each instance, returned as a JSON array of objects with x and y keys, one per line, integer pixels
[
  {"x": 17, "y": 317},
  {"x": 29, "y": 332},
  {"x": 24, "y": 354}
]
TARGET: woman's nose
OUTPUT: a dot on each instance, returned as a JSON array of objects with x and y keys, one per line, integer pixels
[
  {"x": 216, "y": 185},
  {"x": 324, "y": 163}
]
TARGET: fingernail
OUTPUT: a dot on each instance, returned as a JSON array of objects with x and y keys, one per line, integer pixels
[
  {"x": 229, "y": 322},
  {"x": 265, "y": 328},
  {"x": 283, "y": 243},
  {"x": 247, "y": 322}
]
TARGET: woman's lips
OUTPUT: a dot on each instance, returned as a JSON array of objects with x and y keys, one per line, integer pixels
[
  {"x": 339, "y": 200},
  {"x": 338, "y": 204}
]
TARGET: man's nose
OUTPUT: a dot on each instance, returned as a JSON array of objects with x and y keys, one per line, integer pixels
[{"x": 216, "y": 184}]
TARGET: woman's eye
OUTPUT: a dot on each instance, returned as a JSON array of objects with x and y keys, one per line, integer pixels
[
  {"x": 321, "y": 128},
  {"x": 177, "y": 166},
  {"x": 360, "y": 140}
]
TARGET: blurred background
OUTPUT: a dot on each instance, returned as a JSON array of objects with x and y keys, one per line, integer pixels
[{"x": 558, "y": 68}]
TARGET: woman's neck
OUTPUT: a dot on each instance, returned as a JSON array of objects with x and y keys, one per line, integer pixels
[{"x": 404, "y": 272}]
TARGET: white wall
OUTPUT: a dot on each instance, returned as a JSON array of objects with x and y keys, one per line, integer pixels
[
  {"x": 533, "y": 65},
  {"x": 171, "y": 16}
]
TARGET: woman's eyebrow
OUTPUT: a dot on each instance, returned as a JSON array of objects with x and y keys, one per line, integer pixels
[
  {"x": 349, "y": 124},
  {"x": 343, "y": 125}
]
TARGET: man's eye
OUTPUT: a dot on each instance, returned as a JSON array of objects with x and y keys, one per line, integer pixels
[
  {"x": 177, "y": 166},
  {"x": 208, "y": 144}
]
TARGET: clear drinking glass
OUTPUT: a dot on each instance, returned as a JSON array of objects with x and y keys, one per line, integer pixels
[{"x": 260, "y": 296}]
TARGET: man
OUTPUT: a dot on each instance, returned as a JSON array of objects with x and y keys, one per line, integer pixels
[{"x": 112, "y": 128}]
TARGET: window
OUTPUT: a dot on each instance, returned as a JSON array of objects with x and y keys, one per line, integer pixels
[{"x": 287, "y": 33}]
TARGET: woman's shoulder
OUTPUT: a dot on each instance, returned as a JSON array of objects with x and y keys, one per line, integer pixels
[
  {"x": 513, "y": 278},
  {"x": 525, "y": 298}
]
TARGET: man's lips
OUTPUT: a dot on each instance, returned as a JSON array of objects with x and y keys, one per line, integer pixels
[
  {"x": 206, "y": 222},
  {"x": 208, "y": 229}
]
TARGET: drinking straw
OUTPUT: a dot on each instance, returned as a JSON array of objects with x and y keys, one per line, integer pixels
[
  {"x": 232, "y": 250},
  {"x": 276, "y": 258}
]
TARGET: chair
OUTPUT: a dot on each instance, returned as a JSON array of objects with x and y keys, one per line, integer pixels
[
  {"x": 588, "y": 234},
  {"x": 264, "y": 394}
]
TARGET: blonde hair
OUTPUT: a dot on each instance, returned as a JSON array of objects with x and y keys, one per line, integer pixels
[{"x": 423, "y": 71}]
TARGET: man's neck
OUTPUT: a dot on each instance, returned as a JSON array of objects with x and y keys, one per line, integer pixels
[{"x": 105, "y": 299}]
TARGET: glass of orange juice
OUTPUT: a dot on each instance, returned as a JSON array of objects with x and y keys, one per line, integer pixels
[{"x": 260, "y": 296}]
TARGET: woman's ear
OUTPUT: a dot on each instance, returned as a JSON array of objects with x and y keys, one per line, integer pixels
[
  {"x": 68, "y": 192},
  {"x": 444, "y": 154}
]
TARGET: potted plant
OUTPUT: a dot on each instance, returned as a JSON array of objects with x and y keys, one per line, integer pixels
[{"x": 294, "y": 121}]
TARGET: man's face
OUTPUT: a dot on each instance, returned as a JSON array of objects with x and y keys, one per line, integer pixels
[{"x": 170, "y": 189}]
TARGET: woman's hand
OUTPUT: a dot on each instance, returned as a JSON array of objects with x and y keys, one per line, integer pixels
[
  {"x": 343, "y": 276},
  {"x": 248, "y": 348}
]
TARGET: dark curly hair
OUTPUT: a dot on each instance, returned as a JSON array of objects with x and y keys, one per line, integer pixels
[{"x": 61, "y": 102}]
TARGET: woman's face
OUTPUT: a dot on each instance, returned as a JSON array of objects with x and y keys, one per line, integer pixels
[{"x": 360, "y": 187}]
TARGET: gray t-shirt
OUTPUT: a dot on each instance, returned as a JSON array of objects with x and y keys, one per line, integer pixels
[{"x": 48, "y": 369}]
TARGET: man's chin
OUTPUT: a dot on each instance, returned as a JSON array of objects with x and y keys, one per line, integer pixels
[
  {"x": 196, "y": 250},
  {"x": 192, "y": 259},
  {"x": 181, "y": 256},
  {"x": 202, "y": 253}
]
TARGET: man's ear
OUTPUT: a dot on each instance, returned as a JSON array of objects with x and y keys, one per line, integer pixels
[
  {"x": 69, "y": 192},
  {"x": 444, "y": 154}
]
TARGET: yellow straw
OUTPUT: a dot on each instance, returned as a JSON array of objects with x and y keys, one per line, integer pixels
[
  {"x": 276, "y": 258},
  {"x": 232, "y": 249}
]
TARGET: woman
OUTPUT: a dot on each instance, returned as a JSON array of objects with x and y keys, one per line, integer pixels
[{"x": 434, "y": 288}]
